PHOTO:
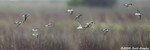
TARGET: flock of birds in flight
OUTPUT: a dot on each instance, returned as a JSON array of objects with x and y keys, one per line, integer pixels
[
  {"x": 137, "y": 13},
  {"x": 80, "y": 26}
]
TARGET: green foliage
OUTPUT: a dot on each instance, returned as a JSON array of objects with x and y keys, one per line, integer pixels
[
  {"x": 75, "y": 2},
  {"x": 97, "y": 3}
]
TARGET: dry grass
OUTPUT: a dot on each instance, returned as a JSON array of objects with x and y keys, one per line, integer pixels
[{"x": 124, "y": 30}]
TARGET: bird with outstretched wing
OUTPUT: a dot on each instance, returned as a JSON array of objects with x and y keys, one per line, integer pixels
[{"x": 25, "y": 17}]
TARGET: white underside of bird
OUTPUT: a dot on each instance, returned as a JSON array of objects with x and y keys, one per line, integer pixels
[
  {"x": 77, "y": 17},
  {"x": 80, "y": 27},
  {"x": 35, "y": 34},
  {"x": 70, "y": 10},
  {"x": 137, "y": 14},
  {"x": 87, "y": 24},
  {"x": 35, "y": 29},
  {"x": 127, "y": 5}
]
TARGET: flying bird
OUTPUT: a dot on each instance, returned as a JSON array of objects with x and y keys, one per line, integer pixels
[
  {"x": 128, "y": 4},
  {"x": 87, "y": 25},
  {"x": 25, "y": 16},
  {"x": 77, "y": 17},
  {"x": 35, "y": 35},
  {"x": 48, "y": 25},
  {"x": 35, "y": 29},
  {"x": 138, "y": 13},
  {"x": 79, "y": 25},
  {"x": 70, "y": 11},
  {"x": 18, "y": 23},
  {"x": 105, "y": 30},
  {"x": 35, "y": 32}
]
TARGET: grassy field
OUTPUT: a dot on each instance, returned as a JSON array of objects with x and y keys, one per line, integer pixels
[{"x": 125, "y": 30}]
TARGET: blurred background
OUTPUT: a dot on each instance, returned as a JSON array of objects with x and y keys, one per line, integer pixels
[
  {"x": 94, "y": 7},
  {"x": 125, "y": 29}
]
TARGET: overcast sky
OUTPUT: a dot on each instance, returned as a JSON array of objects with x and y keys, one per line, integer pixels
[
  {"x": 49, "y": 0},
  {"x": 32, "y": 0},
  {"x": 37, "y": 0},
  {"x": 62, "y": 0}
]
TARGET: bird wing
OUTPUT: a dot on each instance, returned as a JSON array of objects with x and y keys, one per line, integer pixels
[
  {"x": 25, "y": 18},
  {"x": 129, "y": 3},
  {"x": 138, "y": 11},
  {"x": 79, "y": 23},
  {"x": 88, "y": 24},
  {"x": 18, "y": 24},
  {"x": 77, "y": 17},
  {"x": 126, "y": 5}
]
